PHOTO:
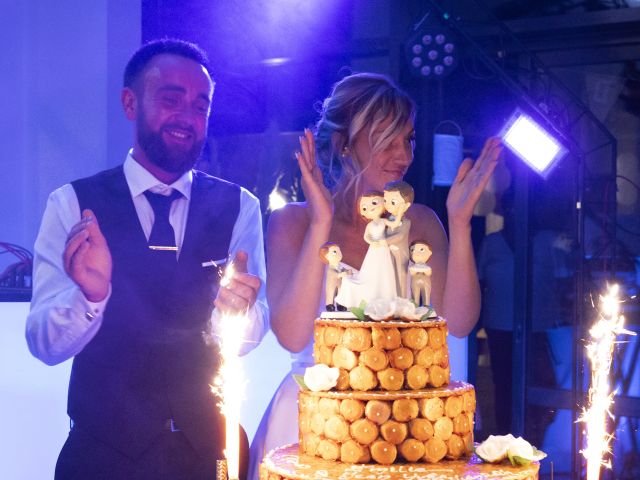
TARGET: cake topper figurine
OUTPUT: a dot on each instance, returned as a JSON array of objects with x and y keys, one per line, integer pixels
[
  {"x": 331, "y": 255},
  {"x": 398, "y": 197},
  {"x": 376, "y": 278},
  {"x": 420, "y": 272}
]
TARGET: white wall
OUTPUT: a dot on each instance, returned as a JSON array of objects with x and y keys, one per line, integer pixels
[
  {"x": 33, "y": 402},
  {"x": 60, "y": 73}
]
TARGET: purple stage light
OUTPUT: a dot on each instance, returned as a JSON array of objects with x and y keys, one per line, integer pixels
[
  {"x": 532, "y": 143},
  {"x": 430, "y": 51}
]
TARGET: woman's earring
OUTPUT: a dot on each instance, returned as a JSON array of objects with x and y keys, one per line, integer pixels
[{"x": 345, "y": 152}]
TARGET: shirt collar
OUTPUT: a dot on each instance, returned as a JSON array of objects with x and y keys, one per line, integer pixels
[{"x": 140, "y": 180}]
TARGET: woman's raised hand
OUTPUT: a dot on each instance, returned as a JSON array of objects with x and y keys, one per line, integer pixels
[
  {"x": 470, "y": 181},
  {"x": 318, "y": 196}
]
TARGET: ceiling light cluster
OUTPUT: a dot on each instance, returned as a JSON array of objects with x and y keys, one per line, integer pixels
[{"x": 431, "y": 53}]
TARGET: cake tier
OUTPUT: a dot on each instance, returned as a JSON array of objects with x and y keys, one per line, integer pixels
[
  {"x": 388, "y": 427},
  {"x": 286, "y": 463},
  {"x": 391, "y": 356}
]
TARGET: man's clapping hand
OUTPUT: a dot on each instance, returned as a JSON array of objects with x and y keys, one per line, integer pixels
[
  {"x": 87, "y": 259},
  {"x": 242, "y": 290}
]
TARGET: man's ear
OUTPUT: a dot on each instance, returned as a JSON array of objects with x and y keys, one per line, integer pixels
[{"x": 129, "y": 103}]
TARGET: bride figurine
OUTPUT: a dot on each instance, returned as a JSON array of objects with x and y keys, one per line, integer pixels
[{"x": 376, "y": 278}]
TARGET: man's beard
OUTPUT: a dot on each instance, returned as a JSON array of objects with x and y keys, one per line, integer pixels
[{"x": 169, "y": 159}]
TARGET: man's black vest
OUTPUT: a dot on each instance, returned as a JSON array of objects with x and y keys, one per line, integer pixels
[{"x": 149, "y": 363}]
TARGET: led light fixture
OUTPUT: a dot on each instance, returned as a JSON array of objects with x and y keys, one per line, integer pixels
[
  {"x": 532, "y": 143},
  {"x": 431, "y": 52}
]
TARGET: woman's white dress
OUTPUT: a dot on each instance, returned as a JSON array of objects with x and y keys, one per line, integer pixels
[{"x": 279, "y": 424}]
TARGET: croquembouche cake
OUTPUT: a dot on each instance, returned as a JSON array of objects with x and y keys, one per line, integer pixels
[{"x": 379, "y": 402}]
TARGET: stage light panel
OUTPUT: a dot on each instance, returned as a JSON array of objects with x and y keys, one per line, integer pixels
[
  {"x": 532, "y": 143},
  {"x": 431, "y": 55}
]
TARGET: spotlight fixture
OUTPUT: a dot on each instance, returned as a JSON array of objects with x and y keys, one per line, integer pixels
[
  {"x": 431, "y": 51},
  {"x": 532, "y": 143}
]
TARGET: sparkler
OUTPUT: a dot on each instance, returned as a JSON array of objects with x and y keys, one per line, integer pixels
[
  {"x": 229, "y": 383},
  {"x": 600, "y": 351}
]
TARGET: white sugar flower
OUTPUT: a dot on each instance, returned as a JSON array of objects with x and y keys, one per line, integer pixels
[
  {"x": 498, "y": 447},
  {"x": 380, "y": 309},
  {"x": 420, "y": 312},
  {"x": 521, "y": 448},
  {"x": 321, "y": 377},
  {"x": 494, "y": 449},
  {"x": 404, "y": 308},
  {"x": 522, "y": 452}
]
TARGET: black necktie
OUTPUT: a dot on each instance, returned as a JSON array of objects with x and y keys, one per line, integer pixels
[
  {"x": 162, "y": 237},
  {"x": 163, "y": 265}
]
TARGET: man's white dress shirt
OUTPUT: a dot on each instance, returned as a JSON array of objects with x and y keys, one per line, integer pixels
[{"x": 62, "y": 321}]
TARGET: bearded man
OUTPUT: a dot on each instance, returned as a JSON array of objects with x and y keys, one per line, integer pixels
[{"x": 120, "y": 285}]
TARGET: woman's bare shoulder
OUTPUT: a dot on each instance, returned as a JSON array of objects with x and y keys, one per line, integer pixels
[
  {"x": 420, "y": 214},
  {"x": 425, "y": 223},
  {"x": 291, "y": 218}
]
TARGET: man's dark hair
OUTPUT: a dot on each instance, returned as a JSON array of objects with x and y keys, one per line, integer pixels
[{"x": 141, "y": 58}]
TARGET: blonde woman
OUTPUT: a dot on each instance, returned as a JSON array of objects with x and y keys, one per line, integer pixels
[{"x": 363, "y": 140}]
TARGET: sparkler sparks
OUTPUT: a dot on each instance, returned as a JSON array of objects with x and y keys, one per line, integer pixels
[
  {"x": 228, "y": 275},
  {"x": 230, "y": 383},
  {"x": 600, "y": 351}
]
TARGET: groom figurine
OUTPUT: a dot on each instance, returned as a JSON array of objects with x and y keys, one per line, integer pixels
[{"x": 398, "y": 197}]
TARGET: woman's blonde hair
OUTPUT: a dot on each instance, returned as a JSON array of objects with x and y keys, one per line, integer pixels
[{"x": 359, "y": 102}]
